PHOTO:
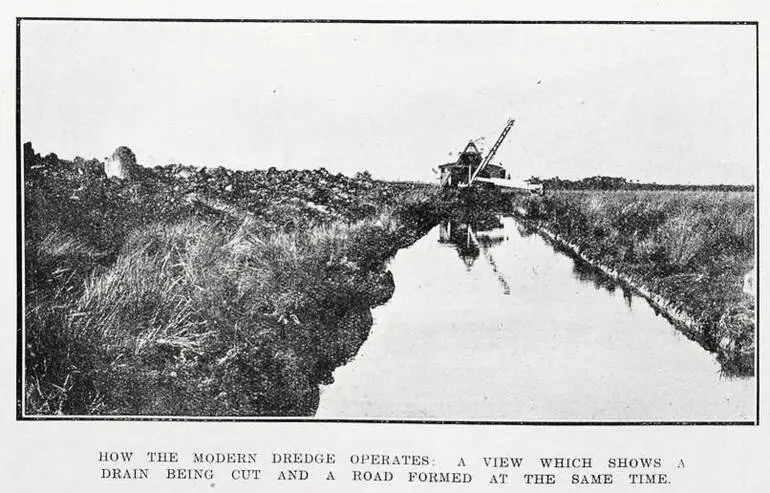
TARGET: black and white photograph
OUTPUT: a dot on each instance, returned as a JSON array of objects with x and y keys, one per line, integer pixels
[{"x": 388, "y": 221}]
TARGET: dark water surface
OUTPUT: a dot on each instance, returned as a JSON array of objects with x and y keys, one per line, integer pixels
[{"x": 491, "y": 323}]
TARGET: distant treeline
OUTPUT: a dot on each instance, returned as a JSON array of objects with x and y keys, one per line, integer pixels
[{"x": 618, "y": 183}]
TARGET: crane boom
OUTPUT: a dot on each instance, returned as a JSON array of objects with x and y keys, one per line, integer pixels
[{"x": 493, "y": 150}]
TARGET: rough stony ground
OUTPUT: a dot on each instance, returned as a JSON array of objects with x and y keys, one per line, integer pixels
[{"x": 280, "y": 199}]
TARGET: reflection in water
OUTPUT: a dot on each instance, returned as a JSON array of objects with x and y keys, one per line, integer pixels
[
  {"x": 587, "y": 274},
  {"x": 557, "y": 342},
  {"x": 476, "y": 237},
  {"x": 459, "y": 235},
  {"x": 469, "y": 238}
]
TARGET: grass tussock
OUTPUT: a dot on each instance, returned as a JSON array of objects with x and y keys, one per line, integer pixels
[{"x": 691, "y": 247}]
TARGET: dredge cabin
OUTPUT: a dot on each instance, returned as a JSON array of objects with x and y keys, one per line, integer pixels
[
  {"x": 471, "y": 167},
  {"x": 460, "y": 172}
]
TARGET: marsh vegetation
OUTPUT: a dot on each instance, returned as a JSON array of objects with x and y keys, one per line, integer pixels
[{"x": 141, "y": 301}]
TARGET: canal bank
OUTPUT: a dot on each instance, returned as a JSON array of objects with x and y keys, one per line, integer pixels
[
  {"x": 687, "y": 253},
  {"x": 492, "y": 322}
]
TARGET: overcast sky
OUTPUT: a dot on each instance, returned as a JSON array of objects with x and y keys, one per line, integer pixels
[{"x": 672, "y": 104}]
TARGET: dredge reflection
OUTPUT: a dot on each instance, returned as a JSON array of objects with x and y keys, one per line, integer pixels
[{"x": 475, "y": 238}]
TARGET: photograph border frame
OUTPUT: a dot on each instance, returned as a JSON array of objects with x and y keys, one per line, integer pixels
[{"x": 21, "y": 416}]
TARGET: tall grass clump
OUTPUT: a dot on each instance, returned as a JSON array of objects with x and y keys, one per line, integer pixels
[{"x": 683, "y": 237}]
